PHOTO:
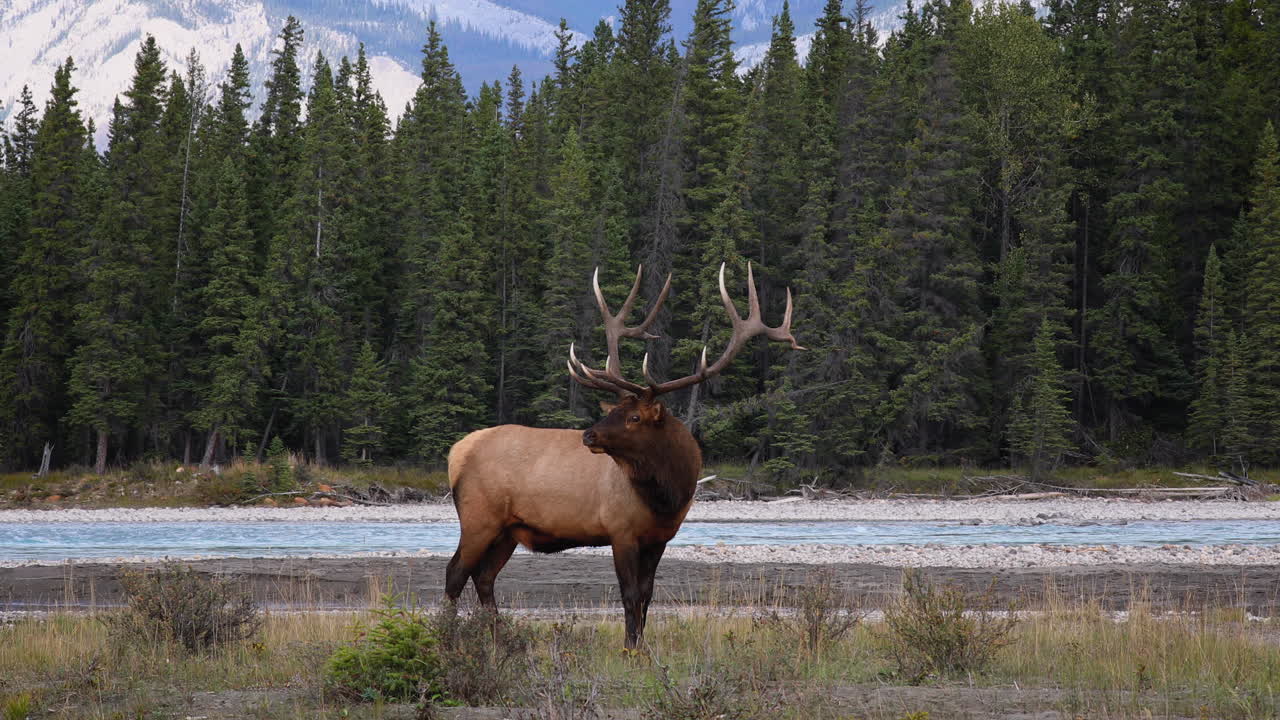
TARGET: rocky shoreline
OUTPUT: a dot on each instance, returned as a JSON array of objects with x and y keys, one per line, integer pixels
[{"x": 1058, "y": 510}]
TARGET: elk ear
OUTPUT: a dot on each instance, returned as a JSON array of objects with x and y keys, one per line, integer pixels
[
  {"x": 607, "y": 407},
  {"x": 659, "y": 414}
]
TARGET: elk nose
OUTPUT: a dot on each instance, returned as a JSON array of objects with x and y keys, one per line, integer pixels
[{"x": 589, "y": 437}]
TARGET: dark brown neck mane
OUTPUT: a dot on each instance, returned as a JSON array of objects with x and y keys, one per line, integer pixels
[{"x": 666, "y": 477}]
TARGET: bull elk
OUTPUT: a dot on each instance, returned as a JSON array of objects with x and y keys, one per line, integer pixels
[{"x": 626, "y": 482}]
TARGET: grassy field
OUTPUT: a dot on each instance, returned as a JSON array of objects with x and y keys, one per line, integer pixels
[
  {"x": 168, "y": 484},
  {"x": 791, "y": 661}
]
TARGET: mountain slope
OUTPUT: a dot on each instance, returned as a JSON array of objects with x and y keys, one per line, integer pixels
[{"x": 485, "y": 38}]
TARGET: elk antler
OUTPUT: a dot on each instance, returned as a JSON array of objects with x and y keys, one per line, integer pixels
[
  {"x": 615, "y": 327},
  {"x": 610, "y": 378},
  {"x": 743, "y": 330}
]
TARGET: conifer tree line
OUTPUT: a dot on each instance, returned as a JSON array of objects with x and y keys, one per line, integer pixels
[{"x": 1012, "y": 238}]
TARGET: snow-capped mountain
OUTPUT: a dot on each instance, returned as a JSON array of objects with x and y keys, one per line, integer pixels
[
  {"x": 485, "y": 38},
  {"x": 103, "y": 37}
]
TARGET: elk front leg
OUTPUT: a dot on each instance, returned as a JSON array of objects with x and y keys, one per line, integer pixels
[
  {"x": 626, "y": 562},
  {"x": 649, "y": 558}
]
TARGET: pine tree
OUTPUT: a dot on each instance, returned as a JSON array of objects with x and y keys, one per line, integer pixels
[
  {"x": 310, "y": 259},
  {"x": 37, "y": 344},
  {"x": 276, "y": 143},
  {"x": 232, "y": 354},
  {"x": 115, "y": 321},
  {"x": 171, "y": 401},
  {"x": 1137, "y": 362},
  {"x": 448, "y": 309},
  {"x": 372, "y": 244},
  {"x": 1041, "y": 428},
  {"x": 568, "y": 307},
  {"x": 827, "y": 67},
  {"x": 1207, "y": 412},
  {"x": 15, "y": 196},
  {"x": 367, "y": 401},
  {"x": 1262, "y": 309},
  {"x": 929, "y": 238},
  {"x": 430, "y": 144},
  {"x": 645, "y": 133}
]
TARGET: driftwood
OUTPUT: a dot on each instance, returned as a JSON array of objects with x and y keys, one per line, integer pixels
[
  {"x": 1244, "y": 480},
  {"x": 1027, "y": 496},
  {"x": 321, "y": 493}
]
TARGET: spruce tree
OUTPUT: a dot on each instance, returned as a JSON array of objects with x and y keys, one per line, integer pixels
[
  {"x": 367, "y": 402},
  {"x": 1208, "y": 410},
  {"x": 276, "y": 143},
  {"x": 1137, "y": 362},
  {"x": 37, "y": 343},
  {"x": 568, "y": 308},
  {"x": 430, "y": 144},
  {"x": 1262, "y": 307},
  {"x": 231, "y": 372},
  {"x": 1040, "y": 431},
  {"x": 15, "y": 196},
  {"x": 448, "y": 307},
  {"x": 310, "y": 260},
  {"x": 116, "y": 321},
  {"x": 935, "y": 264}
]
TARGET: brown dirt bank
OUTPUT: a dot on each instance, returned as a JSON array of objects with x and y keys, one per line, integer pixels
[{"x": 581, "y": 582}]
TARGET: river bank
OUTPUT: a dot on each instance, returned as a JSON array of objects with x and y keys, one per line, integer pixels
[
  {"x": 986, "y": 511},
  {"x": 588, "y": 582}
]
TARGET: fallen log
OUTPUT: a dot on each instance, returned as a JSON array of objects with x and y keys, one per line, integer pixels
[
  {"x": 355, "y": 500},
  {"x": 1026, "y": 496},
  {"x": 1234, "y": 479}
]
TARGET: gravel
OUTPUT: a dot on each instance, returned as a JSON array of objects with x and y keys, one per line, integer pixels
[{"x": 1063, "y": 510}]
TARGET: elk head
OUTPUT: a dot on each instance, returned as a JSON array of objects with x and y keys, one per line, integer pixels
[{"x": 631, "y": 428}]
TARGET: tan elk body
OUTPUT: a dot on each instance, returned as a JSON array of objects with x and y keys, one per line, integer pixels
[{"x": 626, "y": 482}]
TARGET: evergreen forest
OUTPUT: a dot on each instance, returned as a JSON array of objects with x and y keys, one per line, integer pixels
[{"x": 1014, "y": 237}]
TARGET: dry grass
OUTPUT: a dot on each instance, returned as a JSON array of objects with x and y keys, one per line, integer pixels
[
  {"x": 703, "y": 662},
  {"x": 1208, "y": 663}
]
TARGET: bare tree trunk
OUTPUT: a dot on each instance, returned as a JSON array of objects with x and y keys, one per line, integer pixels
[
  {"x": 186, "y": 447},
  {"x": 210, "y": 444},
  {"x": 271, "y": 421},
  {"x": 44, "y": 461},
  {"x": 262, "y": 446},
  {"x": 100, "y": 464},
  {"x": 319, "y": 446}
]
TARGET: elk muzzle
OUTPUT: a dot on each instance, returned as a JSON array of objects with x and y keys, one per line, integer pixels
[{"x": 591, "y": 440}]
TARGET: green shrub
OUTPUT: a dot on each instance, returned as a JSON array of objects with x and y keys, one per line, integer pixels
[
  {"x": 282, "y": 479},
  {"x": 225, "y": 489},
  {"x": 936, "y": 631},
  {"x": 176, "y": 603},
  {"x": 396, "y": 659}
]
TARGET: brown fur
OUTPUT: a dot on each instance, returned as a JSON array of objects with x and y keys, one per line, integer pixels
[{"x": 546, "y": 490}]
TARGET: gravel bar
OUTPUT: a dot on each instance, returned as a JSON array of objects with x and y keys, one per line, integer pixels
[{"x": 1064, "y": 510}]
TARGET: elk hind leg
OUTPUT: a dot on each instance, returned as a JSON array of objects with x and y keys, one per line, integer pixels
[
  {"x": 486, "y": 571},
  {"x": 472, "y": 547}
]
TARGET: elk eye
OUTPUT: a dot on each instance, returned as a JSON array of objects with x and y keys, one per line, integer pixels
[{"x": 635, "y": 418}]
